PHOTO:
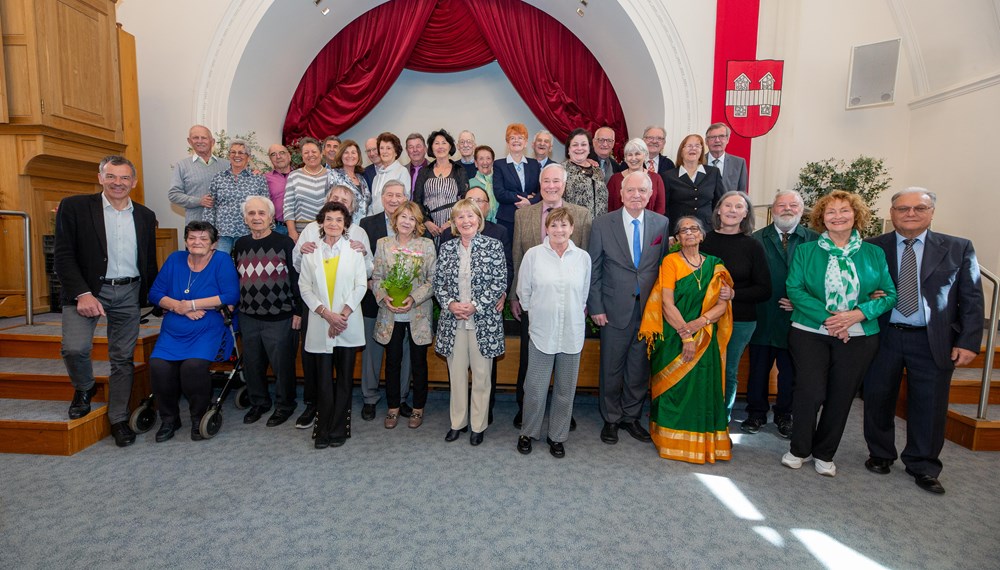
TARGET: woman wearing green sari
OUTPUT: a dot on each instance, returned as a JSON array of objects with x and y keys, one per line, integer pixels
[{"x": 687, "y": 326}]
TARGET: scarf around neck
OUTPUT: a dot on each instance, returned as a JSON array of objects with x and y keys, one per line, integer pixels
[{"x": 841, "y": 283}]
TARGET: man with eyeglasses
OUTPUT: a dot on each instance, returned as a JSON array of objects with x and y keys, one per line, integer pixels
[
  {"x": 228, "y": 190},
  {"x": 105, "y": 258},
  {"x": 371, "y": 150},
  {"x": 655, "y": 138},
  {"x": 467, "y": 152},
  {"x": 604, "y": 144},
  {"x": 281, "y": 161},
  {"x": 734, "y": 168},
  {"x": 191, "y": 176},
  {"x": 937, "y": 325},
  {"x": 769, "y": 343}
]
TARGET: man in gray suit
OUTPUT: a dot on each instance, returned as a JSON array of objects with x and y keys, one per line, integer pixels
[
  {"x": 626, "y": 247},
  {"x": 734, "y": 168}
]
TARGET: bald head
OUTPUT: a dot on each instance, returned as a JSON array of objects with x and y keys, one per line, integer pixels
[{"x": 281, "y": 159}]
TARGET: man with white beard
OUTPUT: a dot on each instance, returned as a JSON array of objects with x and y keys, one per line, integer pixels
[{"x": 770, "y": 339}]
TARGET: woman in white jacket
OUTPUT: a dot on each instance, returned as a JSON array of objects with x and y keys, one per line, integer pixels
[{"x": 332, "y": 283}]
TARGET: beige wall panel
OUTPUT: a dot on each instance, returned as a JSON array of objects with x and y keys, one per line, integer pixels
[
  {"x": 13, "y": 20},
  {"x": 17, "y": 75}
]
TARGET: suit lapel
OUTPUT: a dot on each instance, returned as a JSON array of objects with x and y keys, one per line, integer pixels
[
  {"x": 618, "y": 221},
  {"x": 534, "y": 225},
  {"x": 97, "y": 214},
  {"x": 933, "y": 254}
]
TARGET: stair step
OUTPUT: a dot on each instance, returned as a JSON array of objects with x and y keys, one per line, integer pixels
[
  {"x": 44, "y": 340},
  {"x": 46, "y": 379},
  {"x": 965, "y": 429},
  {"x": 41, "y": 427}
]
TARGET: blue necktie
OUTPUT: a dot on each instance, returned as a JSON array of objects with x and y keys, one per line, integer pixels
[
  {"x": 636, "y": 249},
  {"x": 520, "y": 173},
  {"x": 636, "y": 243}
]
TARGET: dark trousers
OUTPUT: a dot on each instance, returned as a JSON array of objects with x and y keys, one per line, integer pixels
[
  {"x": 522, "y": 364},
  {"x": 264, "y": 342},
  {"x": 762, "y": 358},
  {"x": 828, "y": 375},
  {"x": 624, "y": 371},
  {"x": 334, "y": 405},
  {"x": 927, "y": 388},
  {"x": 310, "y": 371},
  {"x": 394, "y": 366},
  {"x": 170, "y": 378}
]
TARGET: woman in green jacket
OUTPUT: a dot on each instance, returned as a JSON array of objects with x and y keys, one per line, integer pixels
[{"x": 838, "y": 286}]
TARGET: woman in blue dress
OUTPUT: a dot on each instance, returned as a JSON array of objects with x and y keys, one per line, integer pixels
[{"x": 190, "y": 287}]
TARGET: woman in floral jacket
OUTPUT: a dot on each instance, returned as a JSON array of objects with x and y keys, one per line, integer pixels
[
  {"x": 411, "y": 254},
  {"x": 469, "y": 280}
]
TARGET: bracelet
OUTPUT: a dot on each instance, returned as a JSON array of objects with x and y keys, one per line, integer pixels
[
  {"x": 687, "y": 340},
  {"x": 708, "y": 321},
  {"x": 193, "y": 307}
]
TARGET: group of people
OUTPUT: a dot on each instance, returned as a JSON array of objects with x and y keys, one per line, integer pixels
[{"x": 661, "y": 255}]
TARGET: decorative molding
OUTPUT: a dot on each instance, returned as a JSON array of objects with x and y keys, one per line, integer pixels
[
  {"x": 918, "y": 70},
  {"x": 956, "y": 91}
]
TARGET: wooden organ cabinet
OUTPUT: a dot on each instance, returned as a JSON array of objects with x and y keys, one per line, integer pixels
[{"x": 68, "y": 98}]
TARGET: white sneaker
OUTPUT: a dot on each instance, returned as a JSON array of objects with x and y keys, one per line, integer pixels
[
  {"x": 826, "y": 468},
  {"x": 793, "y": 462}
]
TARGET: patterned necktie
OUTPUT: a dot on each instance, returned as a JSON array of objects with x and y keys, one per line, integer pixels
[
  {"x": 715, "y": 162},
  {"x": 650, "y": 167},
  {"x": 907, "y": 299},
  {"x": 784, "y": 240}
]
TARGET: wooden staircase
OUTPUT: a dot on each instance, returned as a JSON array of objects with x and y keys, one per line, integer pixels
[
  {"x": 963, "y": 427},
  {"x": 35, "y": 390}
]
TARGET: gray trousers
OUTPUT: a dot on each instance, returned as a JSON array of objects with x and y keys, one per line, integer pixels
[
  {"x": 121, "y": 304},
  {"x": 271, "y": 342},
  {"x": 371, "y": 366},
  {"x": 624, "y": 371},
  {"x": 536, "y": 389}
]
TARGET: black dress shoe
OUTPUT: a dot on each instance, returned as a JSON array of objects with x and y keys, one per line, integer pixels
[
  {"x": 524, "y": 445},
  {"x": 453, "y": 434},
  {"x": 337, "y": 441},
  {"x": 476, "y": 437},
  {"x": 879, "y": 466},
  {"x": 635, "y": 429},
  {"x": 572, "y": 423},
  {"x": 609, "y": 433},
  {"x": 166, "y": 431},
  {"x": 368, "y": 412},
  {"x": 80, "y": 406},
  {"x": 124, "y": 436},
  {"x": 927, "y": 482},
  {"x": 279, "y": 417},
  {"x": 518, "y": 420},
  {"x": 254, "y": 414},
  {"x": 556, "y": 448},
  {"x": 321, "y": 442},
  {"x": 405, "y": 410}
]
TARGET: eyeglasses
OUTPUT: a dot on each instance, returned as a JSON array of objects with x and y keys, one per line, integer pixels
[
  {"x": 278, "y": 153},
  {"x": 656, "y": 139},
  {"x": 717, "y": 137},
  {"x": 237, "y": 153},
  {"x": 692, "y": 147},
  {"x": 605, "y": 141},
  {"x": 916, "y": 209},
  {"x": 479, "y": 201},
  {"x": 689, "y": 231}
]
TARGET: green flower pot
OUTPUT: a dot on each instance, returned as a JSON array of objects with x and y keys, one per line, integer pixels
[{"x": 399, "y": 294}]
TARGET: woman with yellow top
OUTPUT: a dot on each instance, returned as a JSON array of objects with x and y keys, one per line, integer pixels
[
  {"x": 332, "y": 283},
  {"x": 687, "y": 326}
]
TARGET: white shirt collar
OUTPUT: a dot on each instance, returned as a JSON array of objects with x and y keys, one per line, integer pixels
[
  {"x": 922, "y": 238},
  {"x": 106, "y": 203},
  {"x": 681, "y": 171},
  {"x": 628, "y": 217},
  {"x": 510, "y": 159},
  {"x": 211, "y": 158}
]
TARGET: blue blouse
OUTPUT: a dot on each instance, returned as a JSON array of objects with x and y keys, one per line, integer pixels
[{"x": 207, "y": 338}]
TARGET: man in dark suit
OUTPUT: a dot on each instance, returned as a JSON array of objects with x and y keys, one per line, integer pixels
[
  {"x": 467, "y": 153},
  {"x": 527, "y": 234},
  {"x": 604, "y": 144},
  {"x": 371, "y": 150},
  {"x": 541, "y": 148},
  {"x": 378, "y": 226},
  {"x": 105, "y": 257},
  {"x": 734, "y": 168},
  {"x": 622, "y": 276},
  {"x": 498, "y": 232},
  {"x": 937, "y": 324},
  {"x": 655, "y": 139}
]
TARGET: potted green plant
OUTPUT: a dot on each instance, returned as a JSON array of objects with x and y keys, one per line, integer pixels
[
  {"x": 398, "y": 282},
  {"x": 865, "y": 176}
]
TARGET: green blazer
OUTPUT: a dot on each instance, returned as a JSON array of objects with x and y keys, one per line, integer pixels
[
  {"x": 773, "y": 322},
  {"x": 808, "y": 295}
]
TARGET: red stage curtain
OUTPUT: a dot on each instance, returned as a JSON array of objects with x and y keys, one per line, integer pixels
[{"x": 354, "y": 71}]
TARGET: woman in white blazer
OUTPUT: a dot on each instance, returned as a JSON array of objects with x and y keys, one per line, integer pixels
[{"x": 332, "y": 283}]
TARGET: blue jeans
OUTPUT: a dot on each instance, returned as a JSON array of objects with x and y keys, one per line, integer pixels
[
  {"x": 225, "y": 244},
  {"x": 280, "y": 228},
  {"x": 742, "y": 331}
]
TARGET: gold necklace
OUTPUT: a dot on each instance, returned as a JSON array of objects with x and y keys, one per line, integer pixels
[{"x": 697, "y": 268}]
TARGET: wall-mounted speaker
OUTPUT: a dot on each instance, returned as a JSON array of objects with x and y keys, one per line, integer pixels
[{"x": 872, "y": 76}]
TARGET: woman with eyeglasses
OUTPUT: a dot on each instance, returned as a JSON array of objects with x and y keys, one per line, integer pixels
[
  {"x": 484, "y": 157},
  {"x": 693, "y": 188},
  {"x": 688, "y": 324},
  {"x": 515, "y": 177},
  {"x": 229, "y": 189}
]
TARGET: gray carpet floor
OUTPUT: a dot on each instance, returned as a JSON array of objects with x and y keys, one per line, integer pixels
[{"x": 258, "y": 497}]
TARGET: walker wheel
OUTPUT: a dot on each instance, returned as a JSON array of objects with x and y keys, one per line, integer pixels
[
  {"x": 211, "y": 422},
  {"x": 142, "y": 419},
  {"x": 242, "y": 399}
]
